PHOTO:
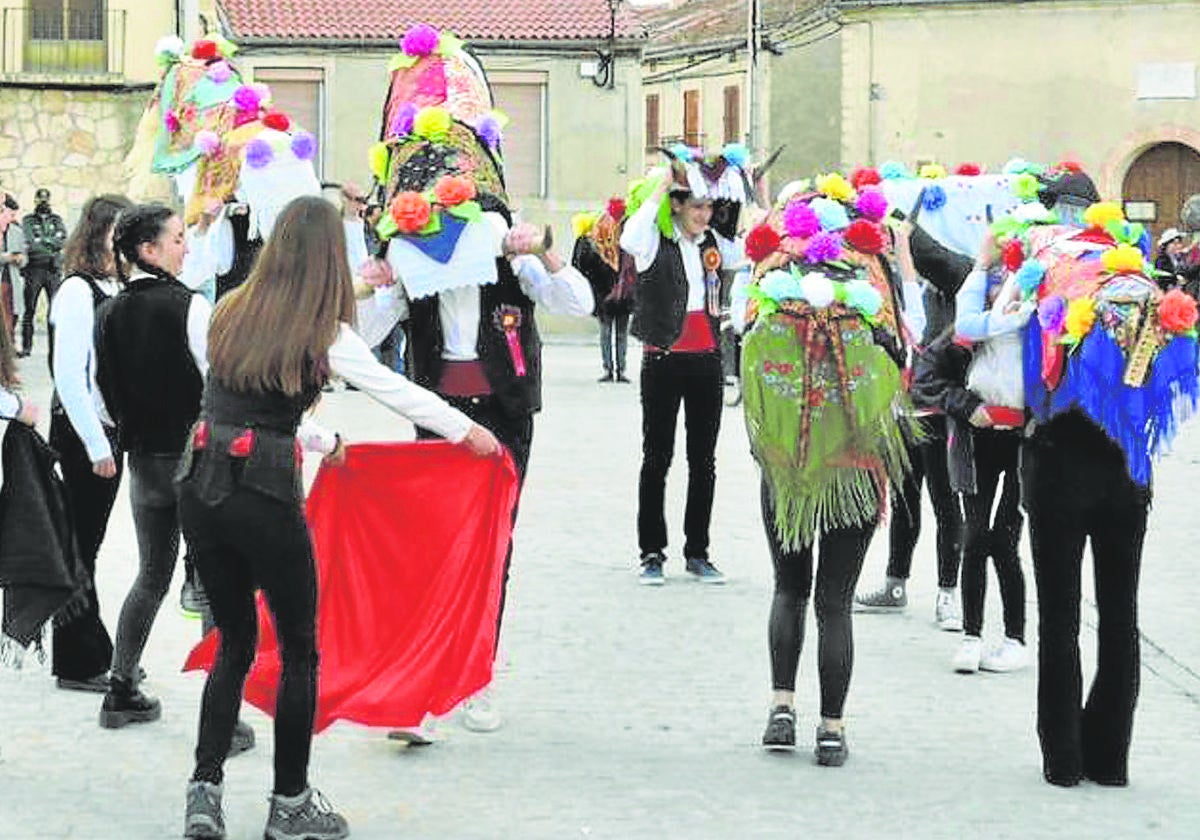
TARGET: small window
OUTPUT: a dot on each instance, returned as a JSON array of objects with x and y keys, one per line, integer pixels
[
  {"x": 652, "y": 130},
  {"x": 733, "y": 114},
  {"x": 525, "y": 136},
  {"x": 691, "y": 119}
]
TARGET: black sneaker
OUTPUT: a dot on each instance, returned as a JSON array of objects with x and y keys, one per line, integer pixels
[
  {"x": 780, "y": 734},
  {"x": 831, "y": 749},
  {"x": 622, "y": 378},
  {"x": 243, "y": 739},
  {"x": 702, "y": 570},
  {"x": 97, "y": 684},
  {"x": 203, "y": 819},
  {"x": 124, "y": 704},
  {"x": 608, "y": 377},
  {"x": 652, "y": 569},
  {"x": 306, "y": 816}
]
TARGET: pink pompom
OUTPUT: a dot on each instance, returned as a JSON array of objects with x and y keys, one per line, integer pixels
[
  {"x": 220, "y": 72},
  {"x": 823, "y": 247},
  {"x": 402, "y": 125},
  {"x": 247, "y": 99},
  {"x": 871, "y": 205},
  {"x": 800, "y": 220},
  {"x": 207, "y": 142},
  {"x": 421, "y": 40},
  {"x": 171, "y": 121},
  {"x": 259, "y": 153}
]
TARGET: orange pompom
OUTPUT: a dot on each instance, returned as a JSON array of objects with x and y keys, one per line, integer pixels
[
  {"x": 410, "y": 211},
  {"x": 1177, "y": 311},
  {"x": 452, "y": 190}
]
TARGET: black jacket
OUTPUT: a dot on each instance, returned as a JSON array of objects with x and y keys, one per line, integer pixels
[
  {"x": 940, "y": 384},
  {"x": 601, "y": 278},
  {"x": 44, "y": 238},
  {"x": 660, "y": 298}
]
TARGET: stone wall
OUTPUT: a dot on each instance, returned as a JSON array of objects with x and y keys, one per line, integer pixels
[{"x": 72, "y": 142}]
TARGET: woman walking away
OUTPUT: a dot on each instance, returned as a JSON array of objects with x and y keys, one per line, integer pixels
[
  {"x": 273, "y": 344},
  {"x": 91, "y": 461}
]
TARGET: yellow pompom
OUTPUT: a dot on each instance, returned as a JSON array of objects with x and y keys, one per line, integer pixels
[
  {"x": 582, "y": 223},
  {"x": 835, "y": 186},
  {"x": 1103, "y": 212},
  {"x": 933, "y": 171},
  {"x": 1124, "y": 259},
  {"x": 377, "y": 161},
  {"x": 1081, "y": 314},
  {"x": 432, "y": 123}
]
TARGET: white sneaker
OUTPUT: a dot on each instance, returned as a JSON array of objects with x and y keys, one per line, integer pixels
[
  {"x": 948, "y": 614},
  {"x": 966, "y": 660},
  {"x": 479, "y": 714},
  {"x": 1009, "y": 655}
]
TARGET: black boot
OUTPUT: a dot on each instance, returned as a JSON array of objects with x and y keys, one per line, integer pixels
[{"x": 124, "y": 704}]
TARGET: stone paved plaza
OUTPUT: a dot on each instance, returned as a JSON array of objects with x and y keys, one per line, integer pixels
[{"x": 634, "y": 712}]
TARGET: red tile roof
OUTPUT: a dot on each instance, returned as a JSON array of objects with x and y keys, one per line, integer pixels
[{"x": 471, "y": 20}]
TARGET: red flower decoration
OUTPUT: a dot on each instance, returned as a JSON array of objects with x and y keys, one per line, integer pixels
[
  {"x": 616, "y": 209},
  {"x": 1012, "y": 254},
  {"x": 865, "y": 176},
  {"x": 410, "y": 211},
  {"x": 1177, "y": 311},
  {"x": 452, "y": 190},
  {"x": 277, "y": 120},
  {"x": 866, "y": 237},
  {"x": 204, "y": 50},
  {"x": 761, "y": 242},
  {"x": 1071, "y": 166},
  {"x": 969, "y": 169},
  {"x": 815, "y": 398}
]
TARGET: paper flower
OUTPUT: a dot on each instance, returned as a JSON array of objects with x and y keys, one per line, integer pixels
[
  {"x": 411, "y": 212},
  {"x": 780, "y": 285},
  {"x": 1026, "y": 186},
  {"x": 1052, "y": 314},
  {"x": 933, "y": 198},
  {"x": 207, "y": 142},
  {"x": 864, "y": 297},
  {"x": 304, "y": 145},
  {"x": 402, "y": 123},
  {"x": 247, "y": 98},
  {"x": 452, "y": 190},
  {"x": 1012, "y": 254},
  {"x": 615, "y": 209},
  {"x": 489, "y": 132},
  {"x": 835, "y": 186},
  {"x": 1177, "y": 311},
  {"x": 219, "y": 72},
  {"x": 1072, "y": 166},
  {"x": 582, "y": 223},
  {"x": 968, "y": 169},
  {"x": 1124, "y": 259},
  {"x": 1081, "y": 314},
  {"x": 432, "y": 123},
  {"x": 171, "y": 122},
  {"x": 872, "y": 205},
  {"x": 264, "y": 93},
  {"x": 1017, "y": 166},
  {"x": 259, "y": 153},
  {"x": 168, "y": 49},
  {"x": 832, "y": 214},
  {"x": 866, "y": 237},
  {"x": 932, "y": 171},
  {"x": 736, "y": 154},
  {"x": 205, "y": 50},
  {"x": 1103, "y": 212},
  {"x": 421, "y": 40},
  {"x": 1033, "y": 212},
  {"x": 377, "y": 160},
  {"x": 800, "y": 220},
  {"x": 893, "y": 170},
  {"x": 823, "y": 247},
  {"x": 761, "y": 242},
  {"x": 865, "y": 176},
  {"x": 277, "y": 120},
  {"x": 1029, "y": 276},
  {"x": 817, "y": 289}
]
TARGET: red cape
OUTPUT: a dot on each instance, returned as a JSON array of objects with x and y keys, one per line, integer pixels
[{"x": 409, "y": 540}]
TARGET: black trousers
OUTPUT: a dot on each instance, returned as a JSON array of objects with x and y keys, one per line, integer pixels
[
  {"x": 82, "y": 647},
  {"x": 1076, "y": 487},
  {"x": 695, "y": 381},
  {"x": 928, "y": 461},
  {"x": 614, "y": 339},
  {"x": 38, "y": 279},
  {"x": 516, "y": 434},
  {"x": 995, "y": 456},
  {"x": 246, "y": 542},
  {"x": 842, "y": 551}
]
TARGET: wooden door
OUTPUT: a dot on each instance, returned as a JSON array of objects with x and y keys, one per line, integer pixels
[
  {"x": 691, "y": 119},
  {"x": 1165, "y": 175}
]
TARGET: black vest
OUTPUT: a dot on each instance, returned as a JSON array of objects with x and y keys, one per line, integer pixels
[
  {"x": 144, "y": 367},
  {"x": 660, "y": 298},
  {"x": 517, "y": 395},
  {"x": 98, "y": 297}
]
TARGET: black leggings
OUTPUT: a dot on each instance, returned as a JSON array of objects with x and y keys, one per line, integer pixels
[
  {"x": 929, "y": 467},
  {"x": 250, "y": 541},
  {"x": 995, "y": 454},
  {"x": 841, "y": 560}
]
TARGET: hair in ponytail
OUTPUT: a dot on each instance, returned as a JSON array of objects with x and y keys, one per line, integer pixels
[{"x": 136, "y": 226}]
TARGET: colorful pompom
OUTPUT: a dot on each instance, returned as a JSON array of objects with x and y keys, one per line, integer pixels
[
  {"x": 219, "y": 72},
  {"x": 800, "y": 220},
  {"x": 377, "y": 161},
  {"x": 932, "y": 171},
  {"x": 1012, "y": 254},
  {"x": 780, "y": 285},
  {"x": 682, "y": 153},
  {"x": 411, "y": 212},
  {"x": 304, "y": 145},
  {"x": 872, "y": 205},
  {"x": 264, "y": 93},
  {"x": 933, "y": 198},
  {"x": 1081, "y": 315},
  {"x": 817, "y": 289},
  {"x": 1124, "y": 259},
  {"x": 168, "y": 50},
  {"x": 824, "y": 247},
  {"x": 894, "y": 170},
  {"x": 761, "y": 242},
  {"x": 432, "y": 123},
  {"x": 259, "y": 153},
  {"x": 452, "y": 190},
  {"x": 832, "y": 214},
  {"x": 205, "y": 50},
  {"x": 489, "y": 132},
  {"x": 615, "y": 209},
  {"x": 865, "y": 176},
  {"x": 864, "y": 297},
  {"x": 969, "y": 170},
  {"x": 1177, "y": 311},
  {"x": 1103, "y": 212},
  {"x": 1026, "y": 186},
  {"x": 171, "y": 122},
  {"x": 866, "y": 237},
  {"x": 207, "y": 142},
  {"x": 246, "y": 98},
  {"x": 835, "y": 186},
  {"x": 582, "y": 223},
  {"x": 1052, "y": 314},
  {"x": 402, "y": 124},
  {"x": 1033, "y": 212},
  {"x": 1029, "y": 276},
  {"x": 277, "y": 120},
  {"x": 736, "y": 154},
  {"x": 421, "y": 40}
]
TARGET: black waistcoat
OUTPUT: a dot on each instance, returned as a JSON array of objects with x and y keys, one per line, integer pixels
[
  {"x": 518, "y": 395},
  {"x": 660, "y": 298}
]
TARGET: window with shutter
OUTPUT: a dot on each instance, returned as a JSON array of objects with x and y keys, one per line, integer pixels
[
  {"x": 733, "y": 114},
  {"x": 524, "y": 136},
  {"x": 691, "y": 118},
  {"x": 652, "y": 132}
]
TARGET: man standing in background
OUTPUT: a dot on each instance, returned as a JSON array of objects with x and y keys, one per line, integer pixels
[
  {"x": 12, "y": 260},
  {"x": 45, "y": 234}
]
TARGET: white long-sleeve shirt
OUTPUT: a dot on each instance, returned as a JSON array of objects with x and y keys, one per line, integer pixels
[
  {"x": 975, "y": 320},
  {"x": 351, "y": 359},
  {"x": 10, "y": 404}
]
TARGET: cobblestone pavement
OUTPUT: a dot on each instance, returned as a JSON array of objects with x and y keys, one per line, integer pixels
[{"x": 635, "y": 712}]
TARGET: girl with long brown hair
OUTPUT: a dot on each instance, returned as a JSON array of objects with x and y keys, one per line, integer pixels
[{"x": 273, "y": 343}]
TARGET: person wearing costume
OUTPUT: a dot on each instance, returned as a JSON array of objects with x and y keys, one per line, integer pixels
[
  {"x": 241, "y": 502},
  {"x": 823, "y": 408},
  {"x": 677, "y": 256},
  {"x": 597, "y": 255},
  {"x": 1109, "y": 373}
]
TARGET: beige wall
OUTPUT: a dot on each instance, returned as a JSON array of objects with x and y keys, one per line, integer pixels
[
  {"x": 145, "y": 22},
  {"x": 804, "y": 110},
  {"x": 1042, "y": 81}
]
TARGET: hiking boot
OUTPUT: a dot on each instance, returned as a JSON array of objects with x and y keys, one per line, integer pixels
[
  {"x": 1009, "y": 655},
  {"x": 652, "y": 569},
  {"x": 947, "y": 613},
  {"x": 243, "y": 739},
  {"x": 305, "y": 816},
  {"x": 831, "y": 749},
  {"x": 780, "y": 734},
  {"x": 203, "y": 819},
  {"x": 888, "y": 598},
  {"x": 966, "y": 659},
  {"x": 124, "y": 704},
  {"x": 703, "y": 571}
]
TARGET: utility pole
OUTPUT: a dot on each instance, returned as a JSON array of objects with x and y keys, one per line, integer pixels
[{"x": 754, "y": 138}]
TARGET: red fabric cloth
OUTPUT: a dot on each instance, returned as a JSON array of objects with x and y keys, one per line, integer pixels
[
  {"x": 696, "y": 336},
  {"x": 464, "y": 379},
  {"x": 409, "y": 540}
]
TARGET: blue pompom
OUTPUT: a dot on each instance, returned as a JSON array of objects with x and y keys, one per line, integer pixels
[
  {"x": 1029, "y": 276},
  {"x": 934, "y": 198},
  {"x": 892, "y": 170},
  {"x": 736, "y": 154},
  {"x": 682, "y": 153}
]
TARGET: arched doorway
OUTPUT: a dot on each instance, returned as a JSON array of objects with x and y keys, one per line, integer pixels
[{"x": 1158, "y": 182}]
